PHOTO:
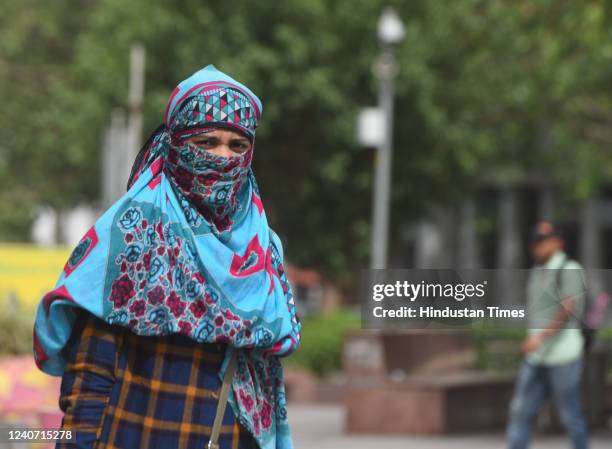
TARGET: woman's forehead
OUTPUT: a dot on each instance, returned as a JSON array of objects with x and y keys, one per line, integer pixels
[
  {"x": 222, "y": 132},
  {"x": 218, "y": 129}
]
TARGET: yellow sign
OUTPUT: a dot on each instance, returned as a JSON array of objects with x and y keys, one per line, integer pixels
[{"x": 27, "y": 272}]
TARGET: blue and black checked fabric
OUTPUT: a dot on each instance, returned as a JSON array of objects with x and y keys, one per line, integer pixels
[{"x": 124, "y": 391}]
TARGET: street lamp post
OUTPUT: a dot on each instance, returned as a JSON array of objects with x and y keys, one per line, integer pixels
[{"x": 390, "y": 33}]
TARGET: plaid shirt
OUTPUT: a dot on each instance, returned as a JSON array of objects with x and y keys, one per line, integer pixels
[{"x": 121, "y": 390}]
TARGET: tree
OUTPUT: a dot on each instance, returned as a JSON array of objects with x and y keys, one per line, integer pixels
[
  {"x": 485, "y": 86},
  {"x": 37, "y": 162}
]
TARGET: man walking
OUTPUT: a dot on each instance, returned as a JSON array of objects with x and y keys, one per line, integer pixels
[{"x": 554, "y": 346}]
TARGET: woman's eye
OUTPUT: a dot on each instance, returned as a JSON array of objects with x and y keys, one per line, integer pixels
[
  {"x": 204, "y": 143},
  {"x": 240, "y": 146}
]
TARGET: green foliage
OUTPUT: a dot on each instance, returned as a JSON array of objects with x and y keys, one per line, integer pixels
[
  {"x": 498, "y": 349},
  {"x": 15, "y": 328},
  {"x": 322, "y": 341},
  {"x": 38, "y": 159},
  {"x": 485, "y": 87}
]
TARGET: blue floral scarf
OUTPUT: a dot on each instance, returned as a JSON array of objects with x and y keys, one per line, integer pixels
[{"x": 188, "y": 250}]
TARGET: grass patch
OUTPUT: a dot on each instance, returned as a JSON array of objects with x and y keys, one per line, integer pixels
[
  {"x": 322, "y": 341},
  {"x": 16, "y": 323}
]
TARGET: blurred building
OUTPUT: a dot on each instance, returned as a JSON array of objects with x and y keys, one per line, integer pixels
[
  {"x": 313, "y": 295},
  {"x": 490, "y": 230}
]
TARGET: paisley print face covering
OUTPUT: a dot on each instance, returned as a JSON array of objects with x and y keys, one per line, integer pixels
[{"x": 213, "y": 184}]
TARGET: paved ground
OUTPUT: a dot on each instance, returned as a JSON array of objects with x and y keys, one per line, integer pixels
[{"x": 321, "y": 427}]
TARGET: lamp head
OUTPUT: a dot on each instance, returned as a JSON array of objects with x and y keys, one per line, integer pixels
[{"x": 390, "y": 27}]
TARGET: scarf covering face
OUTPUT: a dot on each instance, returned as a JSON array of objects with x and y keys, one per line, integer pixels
[{"x": 188, "y": 250}]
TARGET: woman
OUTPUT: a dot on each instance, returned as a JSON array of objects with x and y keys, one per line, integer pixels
[{"x": 177, "y": 282}]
